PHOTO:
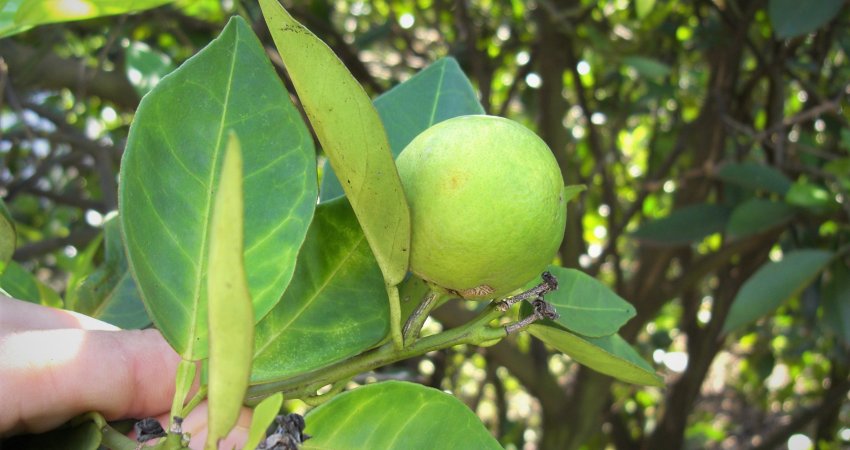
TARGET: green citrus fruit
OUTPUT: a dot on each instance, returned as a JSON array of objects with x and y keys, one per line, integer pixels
[{"x": 487, "y": 205}]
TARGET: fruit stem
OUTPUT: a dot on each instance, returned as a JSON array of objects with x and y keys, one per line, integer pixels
[
  {"x": 415, "y": 321},
  {"x": 395, "y": 317},
  {"x": 542, "y": 310},
  {"x": 549, "y": 284}
]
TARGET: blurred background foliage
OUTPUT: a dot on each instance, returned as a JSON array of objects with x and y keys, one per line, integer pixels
[{"x": 713, "y": 136}]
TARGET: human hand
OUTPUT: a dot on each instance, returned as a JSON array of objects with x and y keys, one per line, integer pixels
[{"x": 57, "y": 364}]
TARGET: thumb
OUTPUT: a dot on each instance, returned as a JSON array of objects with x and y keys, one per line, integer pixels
[{"x": 50, "y": 376}]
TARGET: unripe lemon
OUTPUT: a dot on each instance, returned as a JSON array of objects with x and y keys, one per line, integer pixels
[{"x": 487, "y": 205}]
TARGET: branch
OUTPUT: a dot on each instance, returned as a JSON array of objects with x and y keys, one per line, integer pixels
[
  {"x": 78, "y": 238},
  {"x": 832, "y": 397},
  {"x": 31, "y": 68}
]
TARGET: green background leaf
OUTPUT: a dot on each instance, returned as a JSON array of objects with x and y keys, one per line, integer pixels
[
  {"x": 336, "y": 306},
  {"x": 648, "y": 67},
  {"x": 755, "y": 176},
  {"x": 610, "y": 355},
  {"x": 757, "y": 215},
  {"x": 145, "y": 67},
  {"x": 812, "y": 197},
  {"x": 792, "y": 18},
  {"x": 836, "y": 300},
  {"x": 684, "y": 225},
  {"x": 171, "y": 167},
  {"x": 396, "y": 415},
  {"x": 585, "y": 305},
  {"x": 773, "y": 284},
  {"x": 352, "y": 136},
  {"x": 19, "y": 283},
  {"x": 644, "y": 7},
  {"x": 7, "y": 237},
  {"x": 439, "y": 92},
  {"x": 110, "y": 293},
  {"x": 19, "y": 15}
]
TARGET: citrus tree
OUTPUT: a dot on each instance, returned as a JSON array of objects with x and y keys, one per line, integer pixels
[
  {"x": 277, "y": 289},
  {"x": 712, "y": 139}
]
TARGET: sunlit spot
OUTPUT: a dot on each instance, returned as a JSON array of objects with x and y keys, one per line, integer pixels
[
  {"x": 37, "y": 350},
  {"x": 72, "y": 8},
  {"x": 406, "y": 20},
  {"x": 583, "y": 67},
  {"x": 533, "y": 80},
  {"x": 799, "y": 442}
]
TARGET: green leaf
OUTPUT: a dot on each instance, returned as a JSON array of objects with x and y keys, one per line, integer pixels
[
  {"x": 585, "y": 305},
  {"x": 755, "y": 176},
  {"x": 7, "y": 237},
  {"x": 19, "y": 15},
  {"x": 792, "y": 18},
  {"x": 170, "y": 170},
  {"x": 812, "y": 197},
  {"x": 145, "y": 66},
  {"x": 82, "y": 436},
  {"x": 836, "y": 300},
  {"x": 22, "y": 285},
  {"x": 757, "y": 215},
  {"x": 8, "y": 26},
  {"x": 395, "y": 415},
  {"x": 773, "y": 284},
  {"x": 231, "y": 316},
  {"x": 437, "y": 93},
  {"x": 264, "y": 415},
  {"x": 840, "y": 168},
  {"x": 648, "y": 67},
  {"x": 610, "y": 355},
  {"x": 352, "y": 136},
  {"x": 82, "y": 269},
  {"x": 109, "y": 293},
  {"x": 684, "y": 225},
  {"x": 336, "y": 306},
  {"x": 644, "y": 7},
  {"x": 571, "y": 192}
]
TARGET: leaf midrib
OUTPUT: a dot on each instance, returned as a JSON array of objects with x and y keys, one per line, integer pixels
[{"x": 193, "y": 324}]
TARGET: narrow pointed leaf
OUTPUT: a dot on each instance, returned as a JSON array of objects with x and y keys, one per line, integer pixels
[
  {"x": 7, "y": 237},
  {"x": 336, "y": 306},
  {"x": 263, "y": 416},
  {"x": 352, "y": 136},
  {"x": 109, "y": 293},
  {"x": 231, "y": 316},
  {"x": 757, "y": 215},
  {"x": 439, "y": 92},
  {"x": 585, "y": 305},
  {"x": 171, "y": 167},
  {"x": 572, "y": 191},
  {"x": 685, "y": 225},
  {"x": 395, "y": 415},
  {"x": 773, "y": 284},
  {"x": 610, "y": 355}
]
